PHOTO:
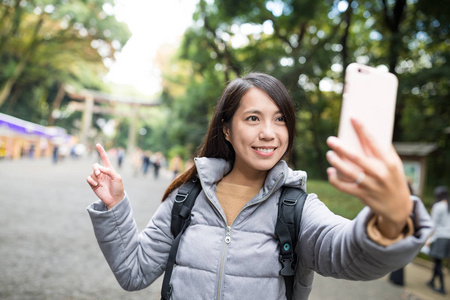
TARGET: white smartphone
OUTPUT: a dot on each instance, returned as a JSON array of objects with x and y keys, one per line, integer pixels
[{"x": 369, "y": 96}]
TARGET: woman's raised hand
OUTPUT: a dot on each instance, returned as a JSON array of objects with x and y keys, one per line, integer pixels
[
  {"x": 375, "y": 176},
  {"x": 105, "y": 181}
]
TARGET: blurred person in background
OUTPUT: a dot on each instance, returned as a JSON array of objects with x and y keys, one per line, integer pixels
[
  {"x": 146, "y": 161},
  {"x": 55, "y": 154},
  {"x": 440, "y": 240},
  {"x": 176, "y": 164},
  {"x": 137, "y": 161},
  {"x": 157, "y": 161},
  {"x": 120, "y": 156}
]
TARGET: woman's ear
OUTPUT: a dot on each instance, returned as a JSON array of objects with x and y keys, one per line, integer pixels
[{"x": 226, "y": 131}]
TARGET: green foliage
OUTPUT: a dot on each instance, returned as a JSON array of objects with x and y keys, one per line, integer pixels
[
  {"x": 340, "y": 203},
  {"x": 121, "y": 137},
  {"x": 307, "y": 45},
  {"x": 180, "y": 151},
  {"x": 346, "y": 205},
  {"x": 46, "y": 43}
]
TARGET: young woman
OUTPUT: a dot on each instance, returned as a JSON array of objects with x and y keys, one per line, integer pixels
[
  {"x": 440, "y": 240},
  {"x": 230, "y": 250}
]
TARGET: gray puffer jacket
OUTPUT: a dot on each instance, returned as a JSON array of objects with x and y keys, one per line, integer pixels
[{"x": 246, "y": 265}]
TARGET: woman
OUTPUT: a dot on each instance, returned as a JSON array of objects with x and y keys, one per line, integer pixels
[
  {"x": 440, "y": 241},
  {"x": 230, "y": 251}
]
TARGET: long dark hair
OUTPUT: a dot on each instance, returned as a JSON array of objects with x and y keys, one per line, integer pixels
[{"x": 214, "y": 144}]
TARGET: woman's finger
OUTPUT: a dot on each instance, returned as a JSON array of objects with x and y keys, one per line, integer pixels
[
  {"x": 91, "y": 182},
  {"x": 103, "y": 156},
  {"x": 345, "y": 153},
  {"x": 337, "y": 146},
  {"x": 350, "y": 188},
  {"x": 96, "y": 169},
  {"x": 108, "y": 171},
  {"x": 368, "y": 142},
  {"x": 364, "y": 163},
  {"x": 349, "y": 173},
  {"x": 345, "y": 170}
]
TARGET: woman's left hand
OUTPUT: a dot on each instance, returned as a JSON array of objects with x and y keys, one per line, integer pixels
[{"x": 375, "y": 176}]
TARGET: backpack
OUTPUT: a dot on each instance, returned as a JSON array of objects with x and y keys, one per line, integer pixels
[{"x": 290, "y": 208}]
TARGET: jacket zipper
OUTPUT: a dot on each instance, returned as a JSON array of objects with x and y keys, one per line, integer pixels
[
  {"x": 228, "y": 235},
  {"x": 227, "y": 241},
  {"x": 222, "y": 261}
]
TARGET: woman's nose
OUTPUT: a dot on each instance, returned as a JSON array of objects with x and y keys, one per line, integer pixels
[{"x": 267, "y": 132}]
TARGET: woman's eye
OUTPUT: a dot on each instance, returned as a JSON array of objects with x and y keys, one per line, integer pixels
[
  {"x": 253, "y": 118},
  {"x": 281, "y": 119}
]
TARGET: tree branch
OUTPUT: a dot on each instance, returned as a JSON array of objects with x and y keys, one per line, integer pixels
[{"x": 226, "y": 54}]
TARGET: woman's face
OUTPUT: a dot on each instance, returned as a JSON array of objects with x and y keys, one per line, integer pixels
[{"x": 258, "y": 133}]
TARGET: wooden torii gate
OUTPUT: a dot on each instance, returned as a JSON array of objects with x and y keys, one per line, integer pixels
[{"x": 88, "y": 107}]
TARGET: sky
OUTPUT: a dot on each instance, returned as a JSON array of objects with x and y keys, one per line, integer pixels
[{"x": 152, "y": 23}]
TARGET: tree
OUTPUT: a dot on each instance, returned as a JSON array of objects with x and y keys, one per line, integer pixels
[
  {"x": 307, "y": 45},
  {"x": 47, "y": 43},
  {"x": 229, "y": 40}
]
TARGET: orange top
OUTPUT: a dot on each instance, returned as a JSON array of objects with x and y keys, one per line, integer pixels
[{"x": 233, "y": 197}]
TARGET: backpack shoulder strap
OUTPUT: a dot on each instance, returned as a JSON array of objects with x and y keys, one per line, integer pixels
[
  {"x": 182, "y": 206},
  {"x": 181, "y": 218},
  {"x": 287, "y": 228}
]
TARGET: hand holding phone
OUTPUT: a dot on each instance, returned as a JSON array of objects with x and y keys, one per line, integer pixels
[{"x": 375, "y": 175}]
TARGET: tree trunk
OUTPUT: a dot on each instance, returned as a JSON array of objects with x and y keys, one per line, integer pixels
[
  {"x": 12, "y": 100},
  {"x": 393, "y": 20},
  {"x": 11, "y": 15},
  {"x": 317, "y": 142},
  {"x": 56, "y": 104},
  {"x": 347, "y": 18},
  {"x": 6, "y": 89}
]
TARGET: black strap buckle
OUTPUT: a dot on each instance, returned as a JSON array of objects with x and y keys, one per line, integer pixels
[
  {"x": 289, "y": 201},
  {"x": 287, "y": 262},
  {"x": 180, "y": 197}
]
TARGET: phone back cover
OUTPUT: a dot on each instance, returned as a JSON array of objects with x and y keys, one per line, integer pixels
[{"x": 370, "y": 97}]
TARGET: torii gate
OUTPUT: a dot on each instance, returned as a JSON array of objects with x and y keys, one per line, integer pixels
[{"x": 88, "y": 108}]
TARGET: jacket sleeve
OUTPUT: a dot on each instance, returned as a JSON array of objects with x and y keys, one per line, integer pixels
[
  {"x": 136, "y": 259},
  {"x": 334, "y": 246}
]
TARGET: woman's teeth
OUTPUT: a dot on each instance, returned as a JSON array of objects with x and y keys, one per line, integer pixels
[{"x": 265, "y": 150}]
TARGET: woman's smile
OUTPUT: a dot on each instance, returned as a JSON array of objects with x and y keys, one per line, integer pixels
[{"x": 264, "y": 151}]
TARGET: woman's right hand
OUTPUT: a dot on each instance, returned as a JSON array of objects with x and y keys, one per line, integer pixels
[{"x": 105, "y": 181}]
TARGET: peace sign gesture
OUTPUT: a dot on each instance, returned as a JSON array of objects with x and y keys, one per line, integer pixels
[{"x": 105, "y": 181}]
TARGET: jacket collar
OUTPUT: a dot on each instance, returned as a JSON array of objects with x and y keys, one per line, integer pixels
[{"x": 212, "y": 170}]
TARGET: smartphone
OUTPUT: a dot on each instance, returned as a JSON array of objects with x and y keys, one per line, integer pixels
[{"x": 369, "y": 96}]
